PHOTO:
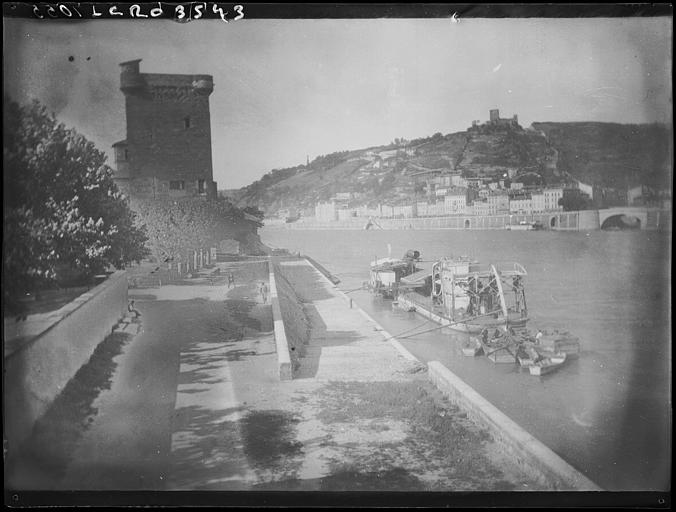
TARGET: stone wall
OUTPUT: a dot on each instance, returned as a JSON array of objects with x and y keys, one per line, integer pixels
[
  {"x": 296, "y": 323},
  {"x": 41, "y": 366}
]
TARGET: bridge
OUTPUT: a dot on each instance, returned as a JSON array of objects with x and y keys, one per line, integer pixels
[{"x": 641, "y": 217}]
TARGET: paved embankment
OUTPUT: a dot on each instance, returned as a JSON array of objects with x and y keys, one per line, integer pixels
[{"x": 196, "y": 402}]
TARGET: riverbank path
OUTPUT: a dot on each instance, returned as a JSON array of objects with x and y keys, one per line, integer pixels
[{"x": 196, "y": 403}]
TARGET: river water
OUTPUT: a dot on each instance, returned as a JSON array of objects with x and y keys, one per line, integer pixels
[{"x": 607, "y": 412}]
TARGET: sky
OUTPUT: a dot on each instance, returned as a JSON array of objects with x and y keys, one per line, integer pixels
[{"x": 287, "y": 89}]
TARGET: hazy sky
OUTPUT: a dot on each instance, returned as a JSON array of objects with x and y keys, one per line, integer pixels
[{"x": 285, "y": 89}]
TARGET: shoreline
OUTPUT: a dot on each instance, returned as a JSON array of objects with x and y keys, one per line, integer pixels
[
  {"x": 528, "y": 453},
  {"x": 586, "y": 220}
]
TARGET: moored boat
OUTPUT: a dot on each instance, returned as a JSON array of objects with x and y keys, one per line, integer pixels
[
  {"x": 468, "y": 296},
  {"x": 559, "y": 341},
  {"x": 526, "y": 355},
  {"x": 500, "y": 348},
  {"x": 386, "y": 273},
  {"x": 471, "y": 347},
  {"x": 547, "y": 364}
]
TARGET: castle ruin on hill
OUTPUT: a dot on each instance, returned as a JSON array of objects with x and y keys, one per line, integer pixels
[{"x": 495, "y": 121}]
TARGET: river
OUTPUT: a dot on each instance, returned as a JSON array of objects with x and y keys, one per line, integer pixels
[{"x": 607, "y": 412}]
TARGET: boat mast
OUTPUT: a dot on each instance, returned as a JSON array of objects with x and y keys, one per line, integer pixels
[{"x": 453, "y": 296}]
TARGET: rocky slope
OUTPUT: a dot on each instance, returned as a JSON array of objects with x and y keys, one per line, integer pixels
[{"x": 604, "y": 154}]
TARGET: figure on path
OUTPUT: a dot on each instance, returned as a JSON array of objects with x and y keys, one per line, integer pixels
[
  {"x": 133, "y": 310},
  {"x": 264, "y": 292},
  {"x": 231, "y": 279}
]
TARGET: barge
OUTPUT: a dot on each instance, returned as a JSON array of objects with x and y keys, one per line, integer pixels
[{"x": 468, "y": 296}]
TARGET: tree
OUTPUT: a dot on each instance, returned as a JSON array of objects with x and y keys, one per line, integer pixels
[
  {"x": 64, "y": 215},
  {"x": 575, "y": 201}
]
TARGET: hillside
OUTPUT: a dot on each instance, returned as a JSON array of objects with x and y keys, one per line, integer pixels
[
  {"x": 605, "y": 154},
  {"x": 613, "y": 155}
]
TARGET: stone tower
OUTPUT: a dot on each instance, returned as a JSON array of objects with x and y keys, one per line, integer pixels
[{"x": 167, "y": 152}]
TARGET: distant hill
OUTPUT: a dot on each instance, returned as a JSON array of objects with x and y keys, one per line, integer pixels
[
  {"x": 605, "y": 154},
  {"x": 613, "y": 155}
]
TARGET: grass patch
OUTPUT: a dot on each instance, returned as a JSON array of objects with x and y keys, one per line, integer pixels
[
  {"x": 269, "y": 437},
  {"x": 350, "y": 478},
  {"x": 440, "y": 439},
  {"x": 417, "y": 403}
]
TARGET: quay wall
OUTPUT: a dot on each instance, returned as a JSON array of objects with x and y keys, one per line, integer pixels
[
  {"x": 532, "y": 456},
  {"x": 281, "y": 340},
  {"x": 294, "y": 320},
  {"x": 41, "y": 365},
  {"x": 586, "y": 220}
]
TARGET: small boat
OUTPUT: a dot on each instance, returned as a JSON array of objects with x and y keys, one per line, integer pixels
[
  {"x": 547, "y": 364},
  {"x": 501, "y": 348},
  {"x": 471, "y": 347},
  {"x": 526, "y": 355},
  {"x": 521, "y": 226},
  {"x": 554, "y": 342}
]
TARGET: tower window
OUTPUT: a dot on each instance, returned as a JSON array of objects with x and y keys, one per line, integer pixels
[
  {"x": 177, "y": 185},
  {"x": 186, "y": 122},
  {"x": 122, "y": 154}
]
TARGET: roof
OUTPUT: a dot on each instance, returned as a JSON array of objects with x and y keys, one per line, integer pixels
[
  {"x": 130, "y": 62},
  {"x": 120, "y": 143},
  {"x": 417, "y": 278}
]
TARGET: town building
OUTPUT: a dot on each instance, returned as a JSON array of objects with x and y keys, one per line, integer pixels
[
  {"x": 585, "y": 189},
  {"x": 403, "y": 211},
  {"x": 458, "y": 181},
  {"x": 538, "y": 198},
  {"x": 498, "y": 203},
  {"x": 345, "y": 213},
  {"x": 326, "y": 211},
  {"x": 481, "y": 207},
  {"x": 521, "y": 203},
  {"x": 552, "y": 196},
  {"x": 455, "y": 201},
  {"x": 167, "y": 152}
]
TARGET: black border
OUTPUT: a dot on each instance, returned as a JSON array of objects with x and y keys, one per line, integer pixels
[
  {"x": 249, "y": 499},
  {"x": 364, "y": 11}
]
